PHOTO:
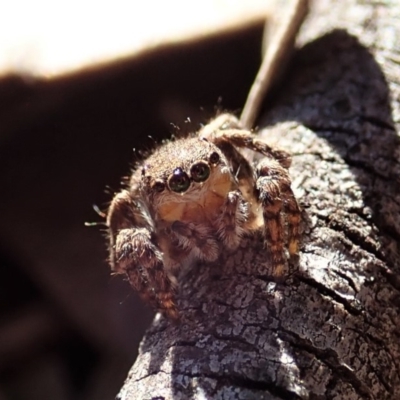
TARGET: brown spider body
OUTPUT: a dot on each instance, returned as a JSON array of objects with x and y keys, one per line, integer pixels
[{"x": 195, "y": 197}]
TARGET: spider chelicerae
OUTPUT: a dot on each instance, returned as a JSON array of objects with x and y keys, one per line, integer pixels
[{"x": 195, "y": 197}]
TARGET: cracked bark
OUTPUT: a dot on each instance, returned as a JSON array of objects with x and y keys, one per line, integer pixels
[{"x": 330, "y": 330}]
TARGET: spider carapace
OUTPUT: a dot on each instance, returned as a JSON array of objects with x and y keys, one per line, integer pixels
[{"x": 195, "y": 197}]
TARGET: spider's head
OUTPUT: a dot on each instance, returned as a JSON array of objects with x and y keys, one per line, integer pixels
[{"x": 186, "y": 180}]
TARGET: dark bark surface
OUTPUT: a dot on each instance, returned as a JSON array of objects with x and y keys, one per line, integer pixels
[{"x": 330, "y": 330}]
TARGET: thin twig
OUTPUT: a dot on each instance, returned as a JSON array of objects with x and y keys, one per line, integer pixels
[{"x": 277, "y": 52}]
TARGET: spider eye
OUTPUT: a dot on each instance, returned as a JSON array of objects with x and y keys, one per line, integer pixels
[
  {"x": 200, "y": 171},
  {"x": 158, "y": 186},
  {"x": 214, "y": 157},
  {"x": 179, "y": 181}
]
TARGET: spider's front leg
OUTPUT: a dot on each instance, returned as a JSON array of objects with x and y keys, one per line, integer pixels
[
  {"x": 229, "y": 224},
  {"x": 273, "y": 184},
  {"x": 277, "y": 199},
  {"x": 133, "y": 252}
]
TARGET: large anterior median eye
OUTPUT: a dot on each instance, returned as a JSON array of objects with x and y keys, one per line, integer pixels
[
  {"x": 179, "y": 181},
  {"x": 200, "y": 171}
]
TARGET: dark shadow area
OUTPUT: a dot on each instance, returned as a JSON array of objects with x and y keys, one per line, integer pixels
[
  {"x": 62, "y": 142},
  {"x": 39, "y": 348}
]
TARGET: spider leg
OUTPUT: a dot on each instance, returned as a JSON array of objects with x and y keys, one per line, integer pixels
[
  {"x": 223, "y": 121},
  {"x": 293, "y": 216},
  {"x": 273, "y": 182},
  {"x": 133, "y": 252},
  {"x": 143, "y": 264},
  {"x": 229, "y": 224},
  {"x": 245, "y": 139},
  {"x": 197, "y": 238},
  {"x": 276, "y": 196}
]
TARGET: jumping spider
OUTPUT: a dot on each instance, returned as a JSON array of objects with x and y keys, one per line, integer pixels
[{"x": 195, "y": 197}]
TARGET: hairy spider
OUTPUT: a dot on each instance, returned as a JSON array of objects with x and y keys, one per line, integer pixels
[{"x": 195, "y": 197}]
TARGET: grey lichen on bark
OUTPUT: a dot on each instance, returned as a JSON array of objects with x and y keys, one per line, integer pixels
[{"x": 331, "y": 329}]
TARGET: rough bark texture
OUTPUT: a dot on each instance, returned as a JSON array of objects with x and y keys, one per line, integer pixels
[{"x": 330, "y": 330}]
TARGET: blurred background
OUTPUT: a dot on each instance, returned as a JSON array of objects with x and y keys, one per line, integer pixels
[{"x": 83, "y": 83}]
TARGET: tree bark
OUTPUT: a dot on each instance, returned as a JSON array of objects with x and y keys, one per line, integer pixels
[{"x": 330, "y": 329}]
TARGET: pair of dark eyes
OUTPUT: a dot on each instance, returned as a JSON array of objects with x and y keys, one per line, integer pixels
[{"x": 179, "y": 181}]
